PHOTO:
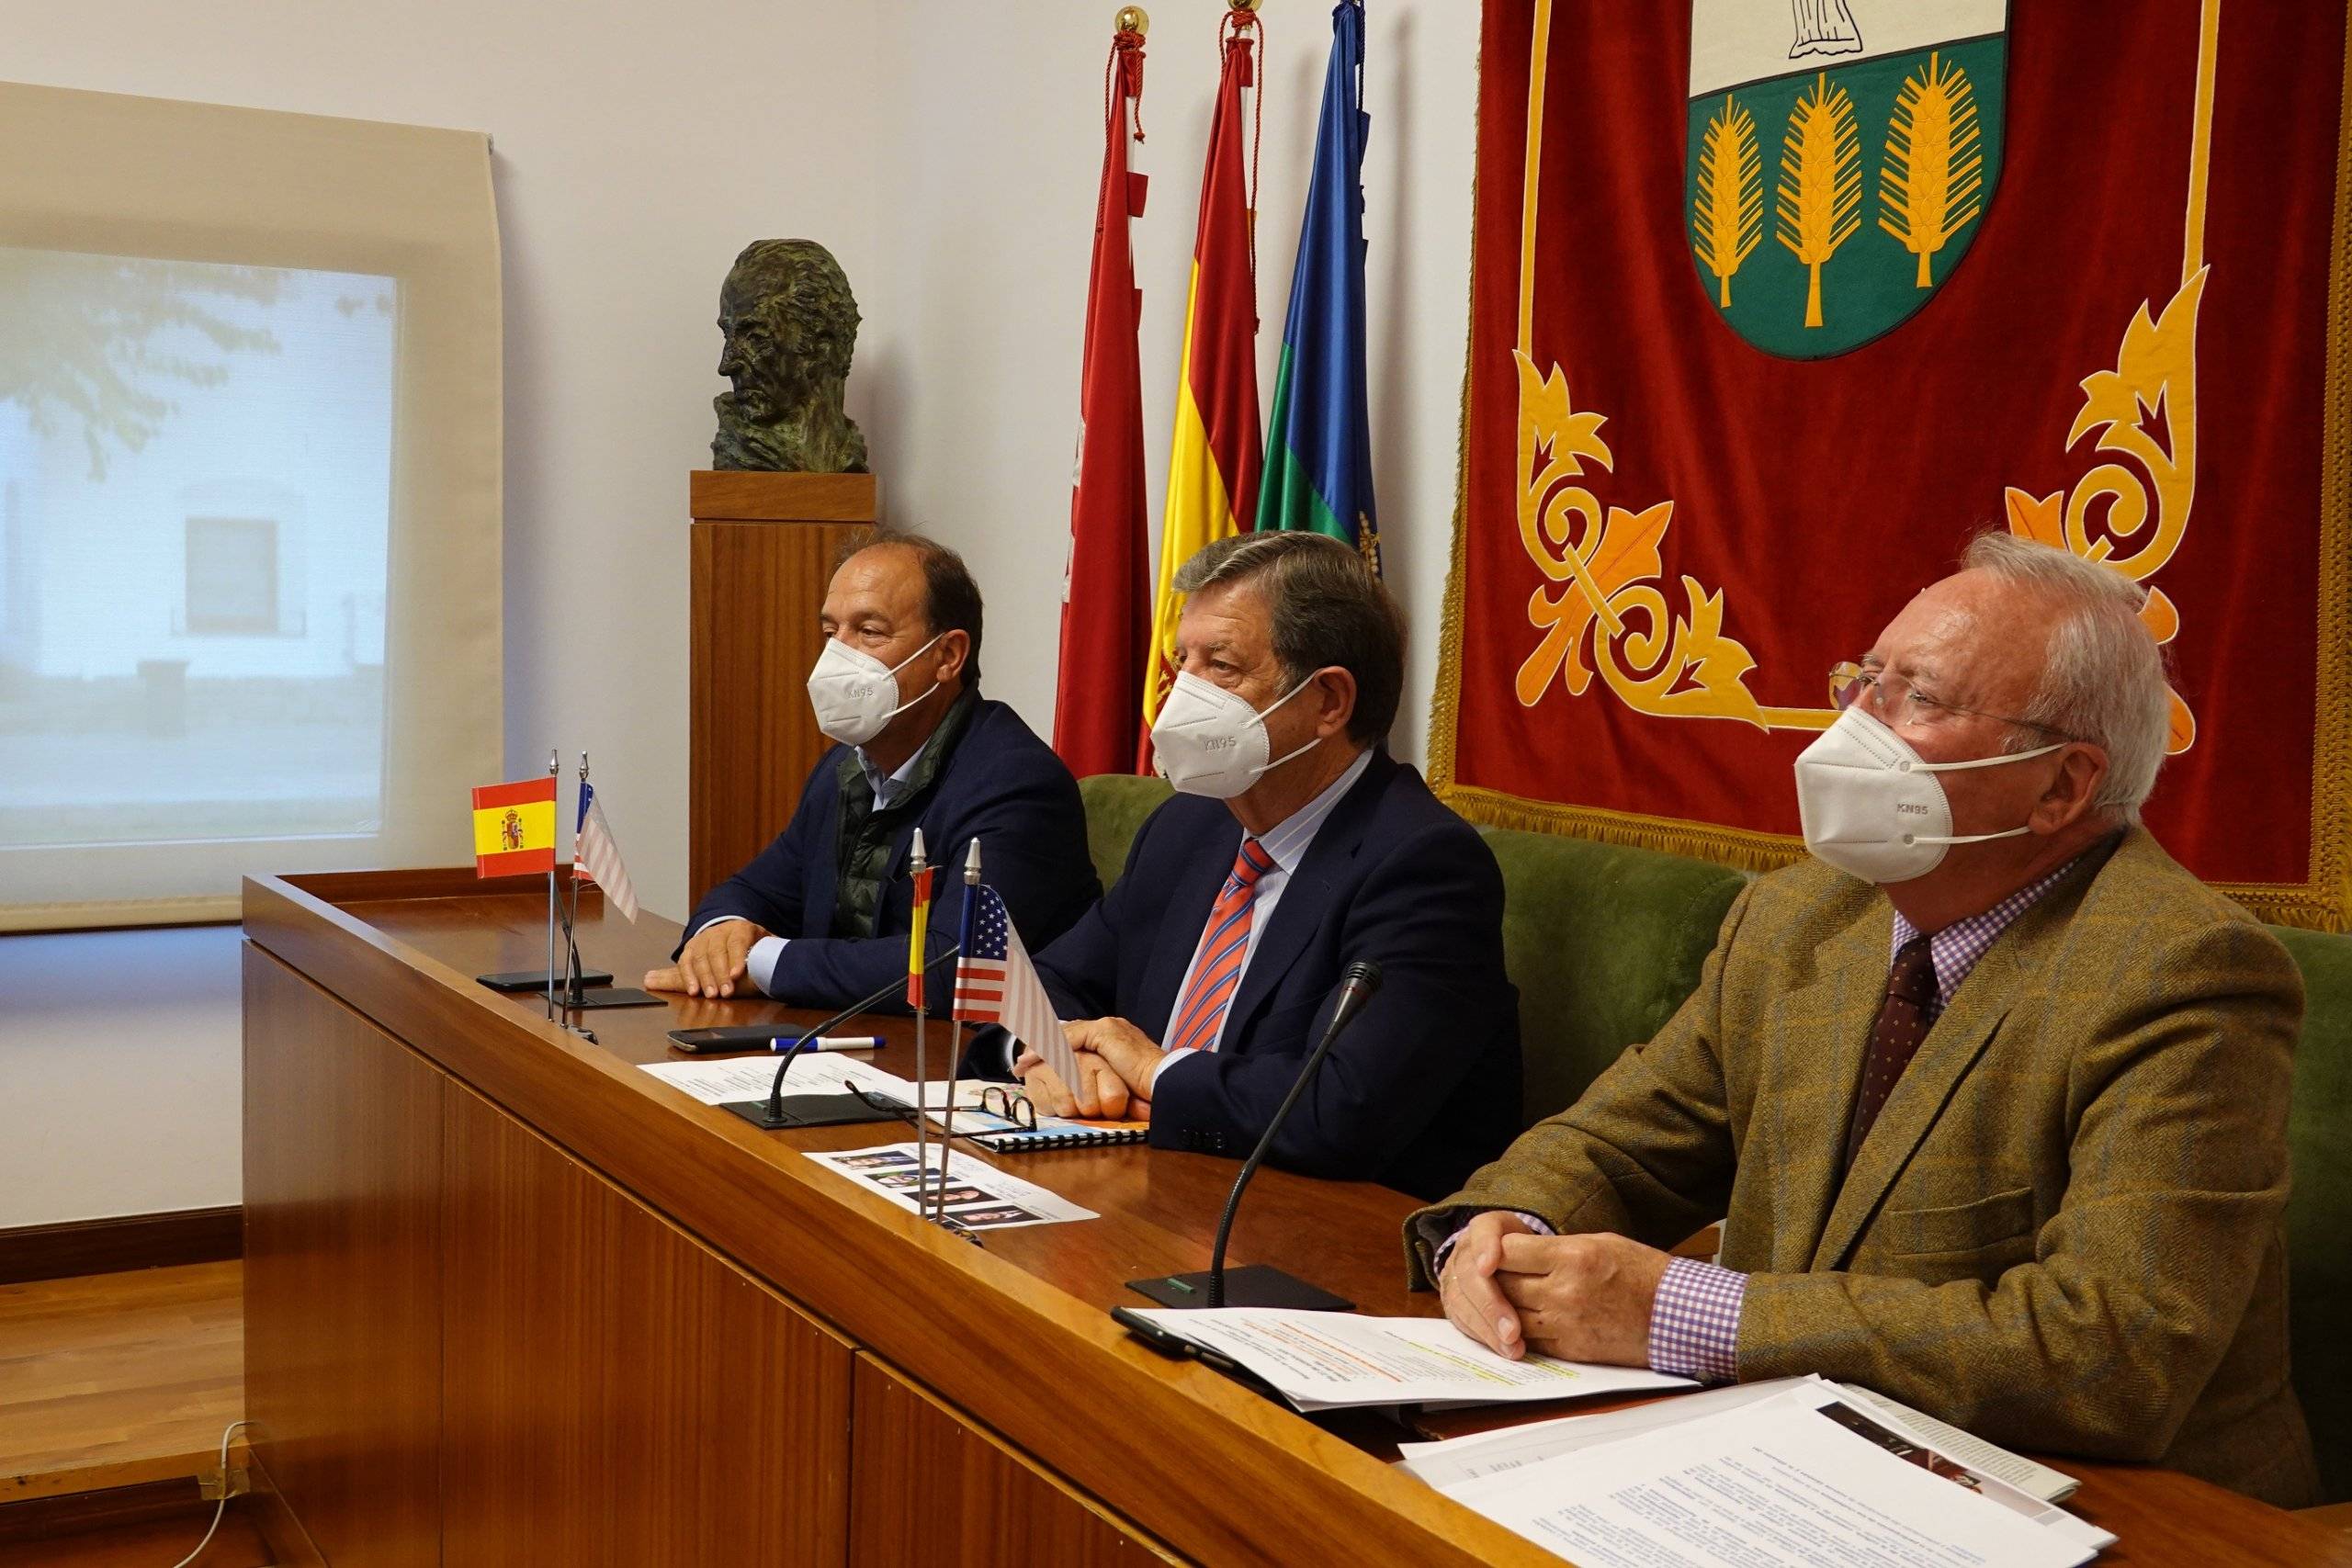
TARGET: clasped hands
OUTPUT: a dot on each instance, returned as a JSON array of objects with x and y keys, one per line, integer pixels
[
  {"x": 1581, "y": 1298},
  {"x": 1116, "y": 1064}
]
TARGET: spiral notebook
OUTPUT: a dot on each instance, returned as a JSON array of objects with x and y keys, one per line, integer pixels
[{"x": 1000, "y": 1135}]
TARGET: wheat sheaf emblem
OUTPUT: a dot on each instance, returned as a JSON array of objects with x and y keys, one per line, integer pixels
[
  {"x": 1820, "y": 193},
  {"x": 1932, "y": 183},
  {"x": 1727, "y": 212}
]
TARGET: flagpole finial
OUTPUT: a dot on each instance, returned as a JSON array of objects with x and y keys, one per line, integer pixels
[
  {"x": 1250, "y": 6},
  {"x": 555, "y": 762},
  {"x": 972, "y": 862},
  {"x": 584, "y": 764},
  {"x": 915, "y": 857},
  {"x": 1132, "y": 19}
]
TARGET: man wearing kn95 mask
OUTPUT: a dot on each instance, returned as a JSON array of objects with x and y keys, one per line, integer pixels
[
  {"x": 1990, "y": 1093},
  {"x": 819, "y": 917},
  {"x": 1295, "y": 847}
]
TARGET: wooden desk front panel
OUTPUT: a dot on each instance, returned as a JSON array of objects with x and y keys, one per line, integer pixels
[
  {"x": 933, "y": 1488},
  {"x": 612, "y": 1393},
  {"x": 343, "y": 1270},
  {"x": 465, "y": 1348}
]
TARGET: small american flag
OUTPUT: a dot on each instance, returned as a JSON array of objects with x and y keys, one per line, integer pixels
[
  {"x": 994, "y": 983},
  {"x": 596, "y": 858}
]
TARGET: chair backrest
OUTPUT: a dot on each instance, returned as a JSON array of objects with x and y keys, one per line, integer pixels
[
  {"x": 2319, "y": 1209},
  {"x": 1117, "y": 805},
  {"x": 1604, "y": 944}
]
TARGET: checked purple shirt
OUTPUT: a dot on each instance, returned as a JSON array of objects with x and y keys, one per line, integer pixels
[{"x": 1694, "y": 1318}]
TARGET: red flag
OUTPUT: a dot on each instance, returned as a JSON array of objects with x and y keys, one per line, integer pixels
[
  {"x": 1215, "y": 453},
  {"x": 1106, "y": 616}
]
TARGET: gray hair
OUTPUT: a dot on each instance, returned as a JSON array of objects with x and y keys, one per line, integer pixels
[
  {"x": 2103, "y": 677},
  {"x": 1327, "y": 607}
]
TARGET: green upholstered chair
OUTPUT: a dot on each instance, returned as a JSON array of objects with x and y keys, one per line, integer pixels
[
  {"x": 2319, "y": 1211},
  {"x": 1604, "y": 943},
  {"x": 1117, "y": 805}
]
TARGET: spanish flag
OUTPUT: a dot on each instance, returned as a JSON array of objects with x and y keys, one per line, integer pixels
[
  {"x": 920, "y": 928},
  {"x": 514, "y": 828},
  {"x": 1214, "y": 460}
]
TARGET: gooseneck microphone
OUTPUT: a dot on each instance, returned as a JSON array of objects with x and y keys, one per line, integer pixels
[
  {"x": 770, "y": 1112},
  {"x": 1261, "y": 1284},
  {"x": 1356, "y": 987}
]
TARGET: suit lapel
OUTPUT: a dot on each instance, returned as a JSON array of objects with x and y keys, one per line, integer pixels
[
  {"x": 1952, "y": 1048},
  {"x": 1822, "y": 1031},
  {"x": 1306, "y": 897}
]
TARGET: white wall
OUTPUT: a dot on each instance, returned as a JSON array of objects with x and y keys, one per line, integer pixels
[
  {"x": 119, "y": 1084},
  {"x": 989, "y": 214},
  {"x": 947, "y": 152},
  {"x": 637, "y": 148}
]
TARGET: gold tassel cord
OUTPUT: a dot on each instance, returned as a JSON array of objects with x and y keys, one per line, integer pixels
[
  {"x": 1820, "y": 189},
  {"x": 1727, "y": 209},
  {"x": 1932, "y": 183}
]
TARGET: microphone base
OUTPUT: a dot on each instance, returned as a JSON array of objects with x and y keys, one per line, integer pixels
[
  {"x": 1254, "y": 1285},
  {"x": 808, "y": 1110},
  {"x": 607, "y": 996},
  {"x": 537, "y": 979}
]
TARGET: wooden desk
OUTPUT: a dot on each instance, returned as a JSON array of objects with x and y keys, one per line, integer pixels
[{"x": 510, "y": 1299}]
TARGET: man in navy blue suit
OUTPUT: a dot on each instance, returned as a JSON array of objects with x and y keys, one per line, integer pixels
[
  {"x": 820, "y": 916},
  {"x": 1295, "y": 847}
]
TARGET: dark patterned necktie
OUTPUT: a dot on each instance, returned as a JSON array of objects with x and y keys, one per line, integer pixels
[{"x": 1903, "y": 1021}]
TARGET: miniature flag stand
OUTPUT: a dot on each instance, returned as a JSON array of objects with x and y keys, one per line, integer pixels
[{"x": 515, "y": 835}]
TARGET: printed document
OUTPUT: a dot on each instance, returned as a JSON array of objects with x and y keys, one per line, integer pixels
[
  {"x": 1323, "y": 1361},
  {"x": 724, "y": 1078},
  {"x": 977, "y": 1196},
  {"x": 1445, "y": 1465},
  {"x": 1805, "y": 1478}
]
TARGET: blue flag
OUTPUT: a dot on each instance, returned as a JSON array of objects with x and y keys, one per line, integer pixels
[{"x": 1319, "y": 448}]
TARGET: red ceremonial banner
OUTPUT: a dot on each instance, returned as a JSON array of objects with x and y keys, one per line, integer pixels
[{"x": 1765, "y": 327}]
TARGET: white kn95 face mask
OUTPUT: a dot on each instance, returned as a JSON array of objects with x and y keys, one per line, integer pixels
[
  {"x": 1209, "y": 741},
  {"x": 855, "y": 693},
  {"x": 1872, "y": 806}
]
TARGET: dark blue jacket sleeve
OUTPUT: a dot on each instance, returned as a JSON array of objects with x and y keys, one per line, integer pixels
[
  {"x": 1031, "y": 827},
  {"x": 769, "y": 892},
  {"x": 1430, "y": 915}
]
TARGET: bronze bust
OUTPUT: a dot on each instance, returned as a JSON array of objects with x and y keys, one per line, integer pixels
[{"x": 791, "y": 326}]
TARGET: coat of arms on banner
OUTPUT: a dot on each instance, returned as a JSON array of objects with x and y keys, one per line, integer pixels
[{"x": 1841, "y": 154}]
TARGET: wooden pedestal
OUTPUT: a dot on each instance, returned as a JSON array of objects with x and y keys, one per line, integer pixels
[{"x": 762, "y": 547}]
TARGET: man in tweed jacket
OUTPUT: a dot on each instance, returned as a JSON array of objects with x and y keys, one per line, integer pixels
[{"x": 2063, "y": 1226}]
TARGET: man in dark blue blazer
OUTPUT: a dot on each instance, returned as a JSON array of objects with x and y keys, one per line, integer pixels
[
  {"x": 1298, "y": 846},
  {"x": 821, "y": 916}
]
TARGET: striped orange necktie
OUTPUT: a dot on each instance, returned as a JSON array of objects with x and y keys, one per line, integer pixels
[{"x": 1219, "y": 970}]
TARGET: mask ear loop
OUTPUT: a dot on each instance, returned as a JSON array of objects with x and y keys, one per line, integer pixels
[
  {"x": 1908, "y": 766},
  {"x": 902, "y": 664},
  {"x": 1265, "y": 768}
]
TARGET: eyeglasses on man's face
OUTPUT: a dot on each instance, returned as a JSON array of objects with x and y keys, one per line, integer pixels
[{"x": 1892, "y": 700}]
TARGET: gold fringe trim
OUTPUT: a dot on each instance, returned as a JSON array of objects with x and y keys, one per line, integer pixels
[
  {"x": 2324, "y": 903},
  {"x": 1445, "y": 698}
]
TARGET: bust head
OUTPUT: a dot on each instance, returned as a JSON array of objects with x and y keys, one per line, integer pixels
[{"x": 790, "y": 326}]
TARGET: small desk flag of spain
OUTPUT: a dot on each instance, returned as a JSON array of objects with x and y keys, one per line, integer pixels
[
  {"x": 915, "y": 937},
  {"x": 514, "y": 828}
]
